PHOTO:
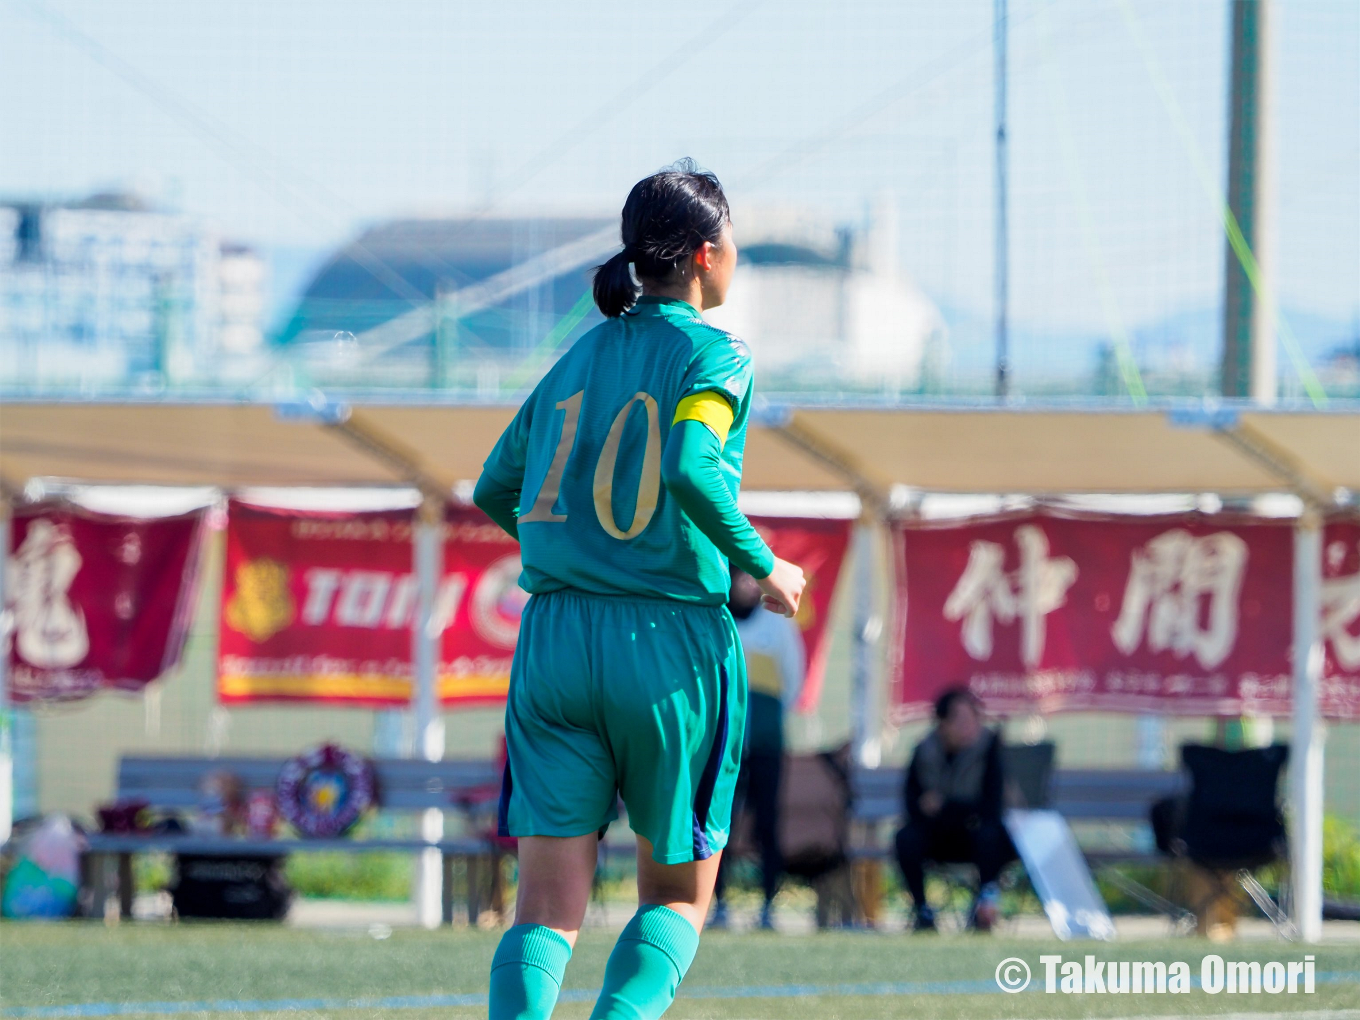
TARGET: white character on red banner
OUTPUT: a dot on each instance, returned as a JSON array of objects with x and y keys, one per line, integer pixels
[
  {"x": 986, "y": 593},
  {"x": 1169, "y": 579},
  {"x": 49, "y": 631},
  {"x": 1340, "y": 610}
]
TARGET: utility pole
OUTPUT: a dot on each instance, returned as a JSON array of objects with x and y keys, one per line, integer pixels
[
  {"x": 428, "y": 549},
  {"x": 1249, "y": 309},
  {"x": 6, "y": 716},
  {"x": 1002, "y": 228}
]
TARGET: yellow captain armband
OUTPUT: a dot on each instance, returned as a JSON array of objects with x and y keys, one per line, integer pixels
[{"x": 709, "y": 407}]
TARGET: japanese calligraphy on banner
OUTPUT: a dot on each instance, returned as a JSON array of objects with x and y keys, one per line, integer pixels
[
  {"x": 818, "y": 546},
  {"x": 1341, "y": 615},
  {"x": 1190, "y": 614},
  {"x": 319, "y": 607},
  {"x": 97, "y": 601}
]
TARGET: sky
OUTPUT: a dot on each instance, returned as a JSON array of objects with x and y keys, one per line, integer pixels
[{"x": 290, "y": 124}]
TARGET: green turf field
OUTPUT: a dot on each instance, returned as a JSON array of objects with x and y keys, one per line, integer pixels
[{"x": 226, "y": 968}]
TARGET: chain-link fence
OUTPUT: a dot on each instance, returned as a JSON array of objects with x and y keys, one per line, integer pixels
[{"x": 342, "y": 235}]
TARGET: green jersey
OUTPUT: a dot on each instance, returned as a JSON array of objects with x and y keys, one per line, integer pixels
[{"x": 585, "y": 452}]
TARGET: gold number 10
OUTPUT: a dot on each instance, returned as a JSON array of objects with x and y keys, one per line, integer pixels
[{"x": 649, "y": 483}]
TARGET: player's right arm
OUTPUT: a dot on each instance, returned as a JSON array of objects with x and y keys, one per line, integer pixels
[{"x": 498, "y": 489}]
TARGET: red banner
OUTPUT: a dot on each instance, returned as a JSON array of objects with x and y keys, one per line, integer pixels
[
  {"x": 1341, "y": 617},
  {"x": 1190, "y": 615},
  {"x": 818, "y": 546},
  {"x": 319, "y": 607},
  {"x": 97, "y": 601},
  {"x": 481, "y": 600}
]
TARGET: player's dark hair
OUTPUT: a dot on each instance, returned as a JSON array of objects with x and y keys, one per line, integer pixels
[
  {"x": 667, "y": 218},
  {"x": 945, "y": 703}
]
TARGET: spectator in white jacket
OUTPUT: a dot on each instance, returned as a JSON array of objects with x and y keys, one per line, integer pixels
[{"x": 775, "y": 667}]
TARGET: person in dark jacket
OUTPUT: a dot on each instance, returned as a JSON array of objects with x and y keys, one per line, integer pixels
[{"x": 954, "y": 798}]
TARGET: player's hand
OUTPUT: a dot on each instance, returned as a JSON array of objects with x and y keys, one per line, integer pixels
[
  {"x": 931, "y": 802},
  {"x": 783, "y": 589}
]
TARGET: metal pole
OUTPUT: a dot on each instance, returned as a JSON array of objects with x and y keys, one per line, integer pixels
[
  {"x": 865, "y": 748},
  {"x": 1249, "y": 307},
  {"x": 1306, "y": 745},
  {"x": 6, "y": 718},
  {"x": 1001, "y": 262},
  {"x": 429, "y": 742}
]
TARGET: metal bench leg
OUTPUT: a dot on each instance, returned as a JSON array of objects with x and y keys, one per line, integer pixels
[
  {"x": 447, "y": 892},
  {"x": 104, "y": 892},
  {"x": 474, "y": 899},
  {"x": 498, "y": 886},
  {"x": 127, "y": 888}
]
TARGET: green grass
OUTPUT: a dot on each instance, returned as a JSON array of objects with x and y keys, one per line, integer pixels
[
  {"x": 371, "y": 876},
  {"x": 86, "y": 962}
]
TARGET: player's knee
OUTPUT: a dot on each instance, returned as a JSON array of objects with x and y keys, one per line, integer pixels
[
  {"x": 560, "y": 909},
  {"x": 667, "y": 889}
]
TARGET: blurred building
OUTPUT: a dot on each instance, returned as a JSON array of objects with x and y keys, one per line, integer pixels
[
  {"x": 824, "y": 304},
  {"x": 109, "y": 292},
  {"x": 486, "y": 304},
  {"x": 449, "y": 302}
]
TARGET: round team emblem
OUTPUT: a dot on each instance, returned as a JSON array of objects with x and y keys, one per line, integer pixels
[
  {"x": 324, "y": 792},
  {"x": 499, "y": 601}
]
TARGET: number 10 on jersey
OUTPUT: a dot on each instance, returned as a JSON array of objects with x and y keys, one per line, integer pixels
[{"x": 649, "y": 481}]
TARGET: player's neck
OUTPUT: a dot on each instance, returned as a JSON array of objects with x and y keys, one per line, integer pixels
[{"x": 688, "y": 290}]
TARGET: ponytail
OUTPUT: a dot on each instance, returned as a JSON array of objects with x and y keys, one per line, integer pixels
[
  {"x": 667, "y": 218},
  {"x": 615, "y": 289}
]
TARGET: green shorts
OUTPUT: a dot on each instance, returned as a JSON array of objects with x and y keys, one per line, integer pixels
[{"x": 637, "y": 698}]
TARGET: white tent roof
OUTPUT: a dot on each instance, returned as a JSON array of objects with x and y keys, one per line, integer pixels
[{"x": 943, "y": 448}]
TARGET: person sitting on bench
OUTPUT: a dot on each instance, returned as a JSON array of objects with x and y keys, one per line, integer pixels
[{"x": 954, "y": 799}]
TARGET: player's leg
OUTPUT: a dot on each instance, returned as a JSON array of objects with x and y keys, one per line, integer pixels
[
  {"x": 558, "y": 790},
  {"x": 675, "y": 711},
  {"x": 656, "y": 948},
  {"x": 685, "y": 889},
  {"x": 555, "y": 875},
  {"x": 555, "y": 878}
]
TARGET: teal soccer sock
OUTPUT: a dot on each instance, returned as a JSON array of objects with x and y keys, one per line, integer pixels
[
  {"x": 526, "y": 973},
  {"x": 646, "y": 966}
]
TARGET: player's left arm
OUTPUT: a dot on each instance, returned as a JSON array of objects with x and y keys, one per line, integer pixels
[
  {"x": 713, "y": 397},
  {"x": 691, "y": 467}
]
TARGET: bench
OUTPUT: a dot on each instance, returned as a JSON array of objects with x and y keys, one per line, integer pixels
[
  {"x": 1123, "y": 796},
  {"x": 167, "y": 783},
  {"x": 1114, "y": 796}
]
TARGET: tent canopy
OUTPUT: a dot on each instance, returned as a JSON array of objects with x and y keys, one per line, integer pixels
[{"x": 941, "y": 448}]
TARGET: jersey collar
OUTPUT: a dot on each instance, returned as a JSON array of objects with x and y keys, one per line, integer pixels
[{"x": 652, "y": 304}]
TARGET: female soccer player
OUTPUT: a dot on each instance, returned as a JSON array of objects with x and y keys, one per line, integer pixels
[{"x": 619, "y": 477}]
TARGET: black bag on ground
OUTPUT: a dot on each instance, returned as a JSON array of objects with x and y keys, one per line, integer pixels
[{"x": 237, "y": 888}]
